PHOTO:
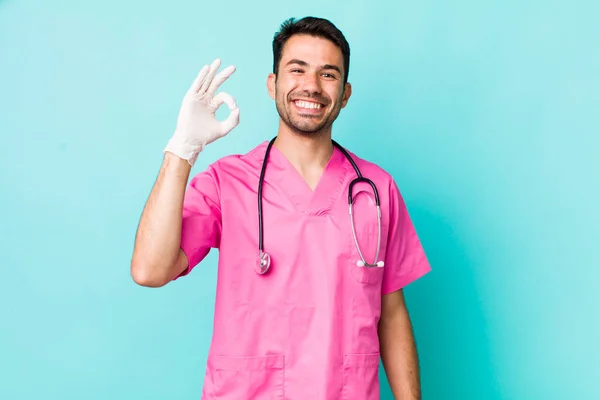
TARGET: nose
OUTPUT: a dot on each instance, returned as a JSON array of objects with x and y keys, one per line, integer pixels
[{"x": 311, "y": 83}]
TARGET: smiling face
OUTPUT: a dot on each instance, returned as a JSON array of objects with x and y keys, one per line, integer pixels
[{"x": 309, "y": 89}]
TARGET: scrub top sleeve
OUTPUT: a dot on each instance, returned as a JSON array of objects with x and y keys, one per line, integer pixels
[
  {"x": 201, "y": 223},
  {"x": 405, "y": 259}
]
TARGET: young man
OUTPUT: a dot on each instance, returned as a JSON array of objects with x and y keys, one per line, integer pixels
[{"x": 309, "y": 295}]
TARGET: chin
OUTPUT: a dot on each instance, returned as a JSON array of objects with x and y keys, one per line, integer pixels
[{"x": 309, "y": 131}]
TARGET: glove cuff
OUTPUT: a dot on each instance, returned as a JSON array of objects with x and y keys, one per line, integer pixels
[{"x": 184, "y": 150}]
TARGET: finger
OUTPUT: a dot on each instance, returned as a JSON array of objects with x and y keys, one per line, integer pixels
[
  {"x": 214, "y": 67},
  {"x": 219, "y": 79},
  {"x": 234, "y": 117},
  {"x": 199, "y": 79},
  {"x": 231, "y": 122},
  {"x": 223, "y": 97}
]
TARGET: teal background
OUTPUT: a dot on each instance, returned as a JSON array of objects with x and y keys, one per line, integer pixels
[{"x": 486, "y": 113}]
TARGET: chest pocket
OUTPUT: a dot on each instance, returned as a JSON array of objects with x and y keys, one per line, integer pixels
[{"x": 367, "y": 232}]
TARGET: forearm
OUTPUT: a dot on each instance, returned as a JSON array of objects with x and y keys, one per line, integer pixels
[
  {"x": 158, "y": 237},
  {"x": 399, "y": 356}
]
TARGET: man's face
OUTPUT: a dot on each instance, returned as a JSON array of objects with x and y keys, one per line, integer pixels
[{"x": 309, "y": 91}]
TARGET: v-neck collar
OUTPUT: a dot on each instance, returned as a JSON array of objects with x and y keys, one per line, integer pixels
[{"x": 309, "y": 202}]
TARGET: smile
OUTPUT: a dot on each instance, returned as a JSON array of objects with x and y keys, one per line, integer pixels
[{"x": 308, "y": 104}]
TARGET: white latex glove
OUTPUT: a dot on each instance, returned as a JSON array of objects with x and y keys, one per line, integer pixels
[{"x": 197, "y": 124}]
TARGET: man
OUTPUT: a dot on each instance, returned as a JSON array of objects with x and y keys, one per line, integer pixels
[{"x": 312, "y": 315}]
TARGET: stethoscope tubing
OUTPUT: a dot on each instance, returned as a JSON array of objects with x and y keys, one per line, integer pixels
[{"x": 264, "y": 259}]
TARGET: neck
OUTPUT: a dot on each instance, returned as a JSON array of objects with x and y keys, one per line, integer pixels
[{"x": 308, "y": 154}]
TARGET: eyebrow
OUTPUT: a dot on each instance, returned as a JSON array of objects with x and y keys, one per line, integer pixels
[{"x": 305, "y": 64}]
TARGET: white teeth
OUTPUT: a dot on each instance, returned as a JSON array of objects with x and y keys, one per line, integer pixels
[{"x": 307, "y": 104}]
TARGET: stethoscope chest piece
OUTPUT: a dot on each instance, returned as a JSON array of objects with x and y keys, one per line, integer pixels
[{"x": 263, "y": 263}]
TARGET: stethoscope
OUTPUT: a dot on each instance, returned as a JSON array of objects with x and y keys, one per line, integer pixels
[{"x": 263, "y": 263}]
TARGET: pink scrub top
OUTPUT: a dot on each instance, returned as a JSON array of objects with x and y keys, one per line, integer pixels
[{"x": 306, "y": 330}]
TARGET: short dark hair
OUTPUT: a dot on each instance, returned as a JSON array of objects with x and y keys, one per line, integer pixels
[{"x": 318, "y": 27}]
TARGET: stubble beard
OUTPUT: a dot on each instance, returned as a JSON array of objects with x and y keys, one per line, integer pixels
[{"x": 305, "y": 125}]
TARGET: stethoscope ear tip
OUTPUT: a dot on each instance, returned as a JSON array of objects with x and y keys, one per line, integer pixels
[{"x": 380, "y": 264}]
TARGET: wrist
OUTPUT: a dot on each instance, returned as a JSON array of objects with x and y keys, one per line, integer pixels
[{"x": 176, "y": 165}]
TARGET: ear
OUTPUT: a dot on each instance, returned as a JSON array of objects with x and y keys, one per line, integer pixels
[
  {"x": 271, "y": 85},
  {"x": 347, "y": 93}
]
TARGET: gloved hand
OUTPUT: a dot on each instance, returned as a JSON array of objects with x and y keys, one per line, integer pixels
[{"x": 197, "y": 124}]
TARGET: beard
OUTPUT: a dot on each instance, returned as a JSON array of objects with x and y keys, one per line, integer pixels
[{"x": 307, "y": 125}]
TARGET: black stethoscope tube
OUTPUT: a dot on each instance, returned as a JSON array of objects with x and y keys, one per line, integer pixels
[{"x": 264, "y": 259}]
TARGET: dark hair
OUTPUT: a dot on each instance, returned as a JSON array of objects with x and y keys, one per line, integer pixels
[{"x": 312, "y": 26}]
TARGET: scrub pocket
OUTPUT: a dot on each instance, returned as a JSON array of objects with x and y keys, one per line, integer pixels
[
  {"x": 366, "y": 234},
  {"x": 361, "y": 377},
  {"x": 257, "y": 378}
]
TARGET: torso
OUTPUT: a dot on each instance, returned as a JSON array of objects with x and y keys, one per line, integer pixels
[{"x": 308, "y": 328}]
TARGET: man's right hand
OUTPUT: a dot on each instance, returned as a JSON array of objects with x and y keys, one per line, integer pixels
[{"x": 197, "y": 124}]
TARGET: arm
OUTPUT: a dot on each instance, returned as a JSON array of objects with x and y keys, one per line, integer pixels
[
  {"x": 405, "y": 263},
  {"x": 157, "y": 256},
  {"x": 398, "y": 348}
]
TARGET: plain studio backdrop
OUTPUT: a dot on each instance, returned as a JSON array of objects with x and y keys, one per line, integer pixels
[{"x": 486, "y": 113}]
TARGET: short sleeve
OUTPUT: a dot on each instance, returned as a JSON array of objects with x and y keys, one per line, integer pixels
[
  {"x": 405, "y": 259},
  {"x": 201, "y": 223}
]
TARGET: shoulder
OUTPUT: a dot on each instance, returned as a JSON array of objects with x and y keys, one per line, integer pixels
[
  {"x": 235, "y": 164},
  {"x": 387, "y": 186},
  {"x": 251, "y": 159},
  {"x": 373, "y": 171}
]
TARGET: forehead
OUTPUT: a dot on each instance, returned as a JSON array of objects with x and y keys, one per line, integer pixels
[{"x": 313, "y": 50}]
